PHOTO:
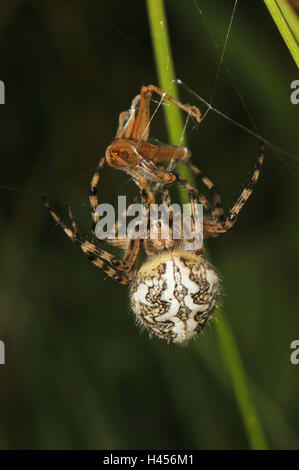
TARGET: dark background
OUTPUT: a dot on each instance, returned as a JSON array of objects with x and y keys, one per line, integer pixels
[{"x": 78, "y": 373}]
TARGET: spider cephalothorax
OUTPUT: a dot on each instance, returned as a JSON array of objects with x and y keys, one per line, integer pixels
[{"x": 175, "y": 291}]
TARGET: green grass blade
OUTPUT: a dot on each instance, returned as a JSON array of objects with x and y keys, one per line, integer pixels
[
  {"x": 233, "y": 361},
  {"x": 228, "y": 345},
  {"x": 166, "y": 76},
  {"x": 291, "y": 17},
  {"x": 283, "y": 19},
  {"x": 165, "y": 67}
]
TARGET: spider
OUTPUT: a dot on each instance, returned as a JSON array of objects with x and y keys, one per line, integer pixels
[{"x": 174, "y": 292}]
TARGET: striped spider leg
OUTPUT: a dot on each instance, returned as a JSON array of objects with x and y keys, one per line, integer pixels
[
  {"x": 119, "y": 270},
  {"x": 216, "y": 222}
]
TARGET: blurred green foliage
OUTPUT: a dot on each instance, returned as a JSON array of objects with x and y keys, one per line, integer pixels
[{"x": 78, "y": 373}]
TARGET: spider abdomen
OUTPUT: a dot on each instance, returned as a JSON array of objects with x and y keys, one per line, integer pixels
[{"x": 174, "y": 294}]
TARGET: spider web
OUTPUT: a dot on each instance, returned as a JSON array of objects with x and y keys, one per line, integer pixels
[{"x": 291, "y": 161}]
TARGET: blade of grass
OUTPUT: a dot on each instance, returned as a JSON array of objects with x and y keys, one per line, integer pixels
[
  {"x": 227, "y": 342},
  {"x": 283, "y": 26},
  {"x": 166, "y": 77},
  {"x": 291, "y": 17},
  {"x": 234, "y": 364},
  {"x": 165, "y": 67}
]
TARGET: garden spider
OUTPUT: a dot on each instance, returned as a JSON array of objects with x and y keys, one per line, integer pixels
[{"x": 175, "y": 291}]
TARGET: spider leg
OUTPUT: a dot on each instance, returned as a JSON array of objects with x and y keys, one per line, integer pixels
[
  {"x": 193, "y": 213},
  {"x": 193, "y": 194},
  {"x": 131, "y": 254},
  {"x": 213, "y": 228},
  {"x": 196, "y": 228},
  {"x": 247, "y": 191},
  {"x": 184, "y": 229},
  {"x": 217, "y": 211},
  {"x": 120, "y": 242},
  {"x": 176, "y": 225},
  {"x": 118, "y": 224},
  {"x": 194, "y": 197},
  {"x": 72, "y": 219},
  {"x": 147, "y": 196},
  {"x": 93, "y": 193},
  {"x": 166, "y": 200},
  {"x": 130, "y": 245},
  {"x": 94, "y": 254}
]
